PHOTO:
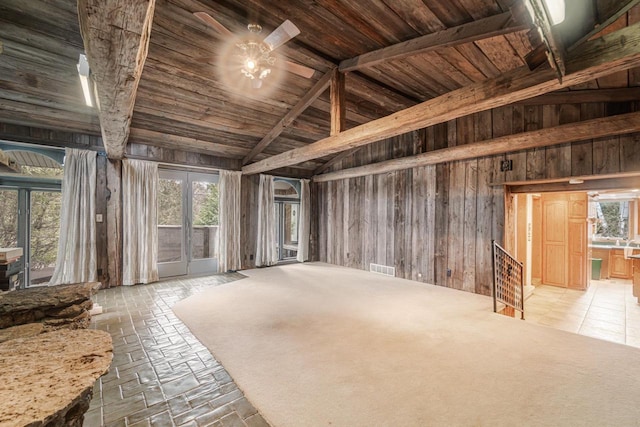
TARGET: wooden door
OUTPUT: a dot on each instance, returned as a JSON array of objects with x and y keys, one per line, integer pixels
[
  {"x": 578, "y": 241},
  {"x": 555, "y": 233}
]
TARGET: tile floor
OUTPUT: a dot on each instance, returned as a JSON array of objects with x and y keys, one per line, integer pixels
[
  {"x": 161, "y": 374},
  {"x": 607, "y": 310}
]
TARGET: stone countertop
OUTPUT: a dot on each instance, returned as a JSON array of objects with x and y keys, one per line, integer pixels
[
  {"x": 47, "y": 380},
  {"x": 611, "y": 247}
]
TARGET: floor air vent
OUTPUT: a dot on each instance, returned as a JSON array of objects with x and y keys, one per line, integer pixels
[{"x": 382, "y": 269}]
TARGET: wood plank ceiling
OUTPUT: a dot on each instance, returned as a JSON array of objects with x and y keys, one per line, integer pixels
[{"x": 184, "y": 100}]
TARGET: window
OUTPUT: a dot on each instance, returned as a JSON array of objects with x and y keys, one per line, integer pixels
[
  {"x": 612, "y": 219},
  {"x": 9, "y": 218}
]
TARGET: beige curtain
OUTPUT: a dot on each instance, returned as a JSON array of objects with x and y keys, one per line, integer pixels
[
  {"x": 139, "y": 222},
  {"x": 229, "y": 235},
  {"x": 76, "y": 260},
  {"x": 304, "y": 221},
  {"x": 266, "y": 249}
]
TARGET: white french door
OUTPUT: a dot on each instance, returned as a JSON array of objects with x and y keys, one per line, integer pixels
[
  {"x": 31, "y": 220},
  {"x": 187, "y": 223},
  {"x": 287, "y": 229}
]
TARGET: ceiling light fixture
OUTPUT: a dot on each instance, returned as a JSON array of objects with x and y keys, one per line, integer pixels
[
  {"x": 83, "y": 72},
  {"x": 575, "y": 181},
  {"x": 256, "y": 57},
  {"x": 555, "y": 10}
]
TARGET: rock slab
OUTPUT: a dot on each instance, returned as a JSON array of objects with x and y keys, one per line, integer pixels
[
  {"x": 47, "y": 380},
  {"x": 64, "y": 306}
]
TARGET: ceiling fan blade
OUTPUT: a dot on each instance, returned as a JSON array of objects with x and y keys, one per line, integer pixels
[
  {"x": 208, "y": 19},
  {"x": 298, "y": 69},
  {"x": 285, "y": 32}
]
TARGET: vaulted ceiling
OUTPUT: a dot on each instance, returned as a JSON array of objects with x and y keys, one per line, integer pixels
[{"x": 185, "y": 101}]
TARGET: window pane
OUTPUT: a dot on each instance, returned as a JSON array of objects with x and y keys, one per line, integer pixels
[
  {"x": 9, "y": 218},
  {"x": 170, "y": 231},
  {"x": 613, "y": 219},
  {"x": 205, "y": 220},
  {"x": 44, "y": 235}
]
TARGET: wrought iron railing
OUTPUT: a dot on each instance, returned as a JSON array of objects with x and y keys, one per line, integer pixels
[{"x": 508, "y": 280}]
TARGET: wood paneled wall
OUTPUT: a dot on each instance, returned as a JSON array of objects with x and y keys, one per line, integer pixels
[
  {"x": 435, "y": 223},
  {"x": 249, "y": 222}
]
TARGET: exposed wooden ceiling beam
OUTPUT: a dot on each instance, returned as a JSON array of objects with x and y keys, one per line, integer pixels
[
  {"x": 338, "y": 103},
  {"x": 308, "y": 99},
  {"x": 585, "y": 96},
  {"x": 555, "y": 48},
  {"x": 564, "y": 97},
  {"x": 615, "y": 125},
  {"x": 609, "y": 17},
  {"x": 614, "y": 52},
  {"x": 116, "y": 40},
  {"x": 162, "y": 139},
  {"x": 477, "y": 30},
  {"x": 335, "y": 160}
]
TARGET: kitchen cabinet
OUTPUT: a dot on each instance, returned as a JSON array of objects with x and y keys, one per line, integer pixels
[
  {"x": 619, "y": 267},
  {"x": 636, "y": 278}
]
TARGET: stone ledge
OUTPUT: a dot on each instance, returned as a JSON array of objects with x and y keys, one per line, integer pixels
[
  {"x": 47, "y": 380},
  {"x": 64, "y": 306}
]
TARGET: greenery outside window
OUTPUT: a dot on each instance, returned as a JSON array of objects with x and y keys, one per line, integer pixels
[{"x": 612, "y": 219}]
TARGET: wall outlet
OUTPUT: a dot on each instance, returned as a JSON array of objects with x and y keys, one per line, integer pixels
[
  {"x": 98, "y": 217},
  {"x": 448, "y": 272}
]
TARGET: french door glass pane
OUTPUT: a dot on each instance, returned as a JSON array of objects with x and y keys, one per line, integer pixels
[
  {"x": 278, "y": 206},
  {"x": 44, "y": 235},
  {"x": 9, "y": 218},
  {"x": 204, "y": 215},
  {"x": 290, "y": 230},
  {"x": 170, "y": 231}
]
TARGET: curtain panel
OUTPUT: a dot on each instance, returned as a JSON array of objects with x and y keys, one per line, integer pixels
[
  {"x": 77, "y": 259},
  {"x": 266, "y": 248},
  {"x": 139, "y": 222},
  {"x": 230, "y": 214}
]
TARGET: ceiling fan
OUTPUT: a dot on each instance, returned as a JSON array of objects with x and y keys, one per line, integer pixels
[{"x": 256, "y": 53}]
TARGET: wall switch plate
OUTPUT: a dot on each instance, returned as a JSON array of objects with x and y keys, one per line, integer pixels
[{"x": 98, "y": 217}]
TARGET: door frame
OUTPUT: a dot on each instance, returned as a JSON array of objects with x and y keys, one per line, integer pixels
[
  {"x": 187, "y": 265},
  {"x": 24, "y": 185},
  {"x": 280, "y": 218}
]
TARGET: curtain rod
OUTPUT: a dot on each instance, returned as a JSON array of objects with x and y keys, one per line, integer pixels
[{"x": 176, "y": 165}]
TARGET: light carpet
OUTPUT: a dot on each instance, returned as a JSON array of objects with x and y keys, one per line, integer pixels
[{"x": 319, "y": 345}]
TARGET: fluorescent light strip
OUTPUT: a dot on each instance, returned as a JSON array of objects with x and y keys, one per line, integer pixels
[
  {"x": 83, "y": 72},
  {"x": 556, "y": 9}
]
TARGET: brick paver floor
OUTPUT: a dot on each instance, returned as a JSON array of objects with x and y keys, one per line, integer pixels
[{"x": 161, "y": 374}]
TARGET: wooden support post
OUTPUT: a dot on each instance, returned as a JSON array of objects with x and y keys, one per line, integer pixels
[
  {"x": 338, "y": 110},
  {"x": 114, "y": 222}
]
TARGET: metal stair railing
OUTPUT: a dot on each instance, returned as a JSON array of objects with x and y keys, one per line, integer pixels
[{"x": 508, "y": 280}]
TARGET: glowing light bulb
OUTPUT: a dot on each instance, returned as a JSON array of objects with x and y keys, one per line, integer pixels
[{"x": 251, "y": 64}]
